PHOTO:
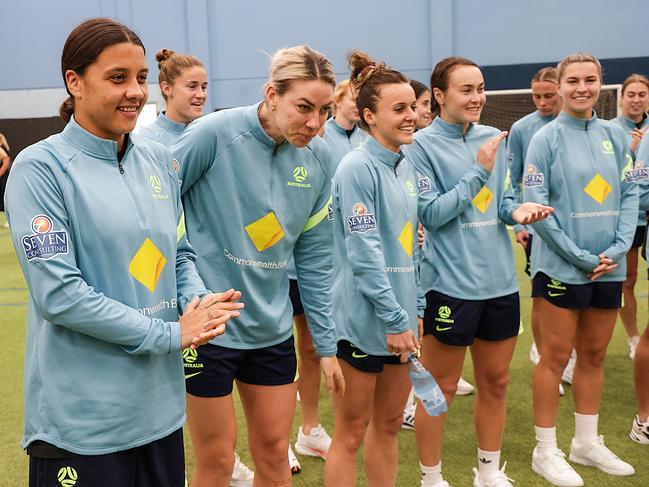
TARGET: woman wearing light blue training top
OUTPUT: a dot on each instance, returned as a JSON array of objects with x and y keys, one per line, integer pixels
[
  {"x": 342, "y": 134},
  {"x": 375, "y": 292},
  {"x": 634, "y": 103},
  {"x": 99, "y": 231},
  {"x": 183, "y": 83},
  {"x": 256, "y": 184},
  {"x": 467, "y": 272},
  {"x": 582, "y": 167}
]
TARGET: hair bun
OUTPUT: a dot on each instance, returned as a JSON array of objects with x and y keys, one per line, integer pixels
[{"x": 162, "y": 55}]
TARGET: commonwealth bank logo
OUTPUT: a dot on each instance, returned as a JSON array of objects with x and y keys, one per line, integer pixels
[{"x": 67, "y": 476}]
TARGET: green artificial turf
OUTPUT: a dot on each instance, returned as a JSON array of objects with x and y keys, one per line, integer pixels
[{"x": 460, "y": 445}]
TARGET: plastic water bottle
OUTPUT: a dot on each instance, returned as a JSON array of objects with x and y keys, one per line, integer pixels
[{"x": 426, "y": 388}]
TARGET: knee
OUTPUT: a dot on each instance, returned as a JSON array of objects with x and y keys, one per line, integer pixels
[
  {"x": 591, "y": 359},
  {"x": 448, "y": 387},
  {"x": 271, "y": 452},
  {"x": 629, "y": 283},
  {"x": 555, "y": 359},
  {"x": 351, "y": 435},
  {"x": 493, "y": 387},
  {"x": 388, "y": 426}
]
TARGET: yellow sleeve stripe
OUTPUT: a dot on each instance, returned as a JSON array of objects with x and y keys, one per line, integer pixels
[
  {"x": 318, "y": 217},
  {"x": 180, "y": 229}
]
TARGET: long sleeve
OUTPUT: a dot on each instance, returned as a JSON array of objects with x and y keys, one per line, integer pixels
[
  {"x": 57, "y": 287},
  {"x": 313, "y": 255},
  {"x": 355, "y": 192},
  {"x": 195, "y": 151},
  {"x": 537, "y": 191},
  {"x": 437, "y": 208}
]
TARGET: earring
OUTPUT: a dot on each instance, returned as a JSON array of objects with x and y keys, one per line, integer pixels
[{"x": 272, "y": 108}]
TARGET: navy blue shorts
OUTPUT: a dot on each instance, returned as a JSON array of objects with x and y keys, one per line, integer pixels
[
  {"x": 458, "y": 321},
  {"x": 639, "y": 237},
  {"x": 210, "y": 370},
  {"x": 296, "y": 299},
  {"x": 528, "y": 255},
  {"x": 159, "y": 463},
  {"x": 360, "y": 360},
  {"x": 597, "y": 294}
]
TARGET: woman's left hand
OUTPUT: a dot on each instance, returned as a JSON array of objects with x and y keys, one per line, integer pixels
[
  {"x": 531, "y": 212},
  {"x": 333, "y": 374}
]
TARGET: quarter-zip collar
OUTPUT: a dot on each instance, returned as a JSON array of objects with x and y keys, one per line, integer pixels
[
  {"x": 170, "y": 125},
  {"x": 91, "y": 144},
  {"x": 452, "y": 130},
  {"x": 342, "y": 130},
  {"x": 254, "y": 124},
  {"x": 382, "y": 153},
  {"x": 631, "y": 125},
  {"x": 546, "y": 118},
  {"x": 577, "y": 123}
]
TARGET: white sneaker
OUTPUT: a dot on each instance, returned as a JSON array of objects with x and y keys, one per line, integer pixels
[
  {"x": 242, "y": 476},
  {"x": 640, "y": 431},
  {"x": 443, "y": 483},
  {"x": 409, "y": 416},
  {"x": 570, "y": 368},
  {"x": 535, "y": 356},
  {"x": 499, "y": 479},
  {"x": 293, "y": 462},
  {"x": 552, "y": 466},
  {"x": 315, "y": 444},
  {"x": 633, "y": 344},
  {"x": 595, "y": 454},
  {"x": 463, "y": 388}
]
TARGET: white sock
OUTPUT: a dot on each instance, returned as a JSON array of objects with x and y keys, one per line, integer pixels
[
  {"x": 545, "y": 437},
  {"x": 431, "y": 475},
  {"x": 585, "y": 428},
  {"x": 488, "y": 463}
]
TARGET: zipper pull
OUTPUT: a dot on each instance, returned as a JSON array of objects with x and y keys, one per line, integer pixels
[{"x": 121, "y": 168}]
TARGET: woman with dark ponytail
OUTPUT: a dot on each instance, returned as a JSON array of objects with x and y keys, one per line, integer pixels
[
  {"x": 99, "y": 231},
  {"x": 375, "y": 293}
]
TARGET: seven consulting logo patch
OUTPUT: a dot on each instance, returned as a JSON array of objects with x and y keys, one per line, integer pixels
[{"x": 45, "y": 242}]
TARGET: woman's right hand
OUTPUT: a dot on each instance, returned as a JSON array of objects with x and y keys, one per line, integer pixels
[
  {"x": 401, "y": 343},
  {"x": 205, "y": 319},
  {"x": 488, "y": 151},
  {"x": 605, "y": 266}
]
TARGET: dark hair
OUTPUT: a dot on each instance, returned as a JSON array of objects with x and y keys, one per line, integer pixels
[
  {"x": 419, "y": 88},
  {"x": 171, "y": 65},
  {"x": 84, "y": 45},
  {"x": 367, "y": 78},
  {"x": 442, "y": 73}
]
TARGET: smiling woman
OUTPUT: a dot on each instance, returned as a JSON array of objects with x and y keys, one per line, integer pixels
[{"x": 97, "y": 224}]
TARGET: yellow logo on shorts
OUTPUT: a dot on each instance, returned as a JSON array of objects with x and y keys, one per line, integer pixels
[
  {"x": 444, "y": 316},
  {"x": 190, "y": 355},
  {"x": 67, "y": 476}
]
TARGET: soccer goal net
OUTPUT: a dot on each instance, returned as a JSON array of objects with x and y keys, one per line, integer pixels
[{"x": 504, "y": 107}]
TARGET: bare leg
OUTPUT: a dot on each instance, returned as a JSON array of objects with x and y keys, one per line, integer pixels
[
  {"x": 381, "y": 442},
  {"x": 269, "y": 415},
  {"x": 629, "y": 310},
  {"x": 309, "y": 368},
  {"x": 445, "y": 363},
  {"x": 491, "y": 367}
]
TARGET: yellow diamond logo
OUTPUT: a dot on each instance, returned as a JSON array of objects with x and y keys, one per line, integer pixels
[
  {"x": 483, "y": 199},
  {"x": 598, "y": 189},
  {"x": 265, "y": 232},
  {"x": 405, "y": 239},
  {"x": 147, "y": 264}
]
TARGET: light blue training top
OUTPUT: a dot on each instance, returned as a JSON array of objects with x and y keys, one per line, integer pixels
[
  {"x": 583, "y": 169},
  {"x": 251, "y": 204},
  {"x": 103, "y": 249},
  {"x": 375, "y": 242},
  {"x": 464, "y": 208}
]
